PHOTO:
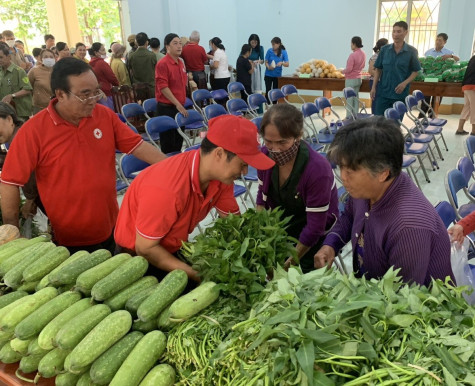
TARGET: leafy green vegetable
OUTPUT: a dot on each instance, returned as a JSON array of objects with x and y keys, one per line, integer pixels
[
  {"x": 322, "y": 328},
  {"x": 238, "y": 252}
]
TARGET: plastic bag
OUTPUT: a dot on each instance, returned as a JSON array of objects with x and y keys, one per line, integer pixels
[{"x": 461, "y": 269}]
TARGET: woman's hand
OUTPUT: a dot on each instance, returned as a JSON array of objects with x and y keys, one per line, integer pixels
[
  {"x": 456, "y": 233},
  {"x": 324, "y": 257}
]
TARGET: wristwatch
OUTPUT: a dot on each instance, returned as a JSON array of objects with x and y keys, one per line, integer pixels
[{"x": 13, "y": 96}]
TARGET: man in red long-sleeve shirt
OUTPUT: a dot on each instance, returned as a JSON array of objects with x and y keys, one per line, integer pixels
[{"x": 195, "y": 58}]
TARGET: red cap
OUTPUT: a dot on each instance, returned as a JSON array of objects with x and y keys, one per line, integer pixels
[{"x": 239, "y": 136}]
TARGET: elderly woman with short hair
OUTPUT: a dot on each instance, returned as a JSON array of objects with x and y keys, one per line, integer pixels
[{"x": 388, "y": 220}]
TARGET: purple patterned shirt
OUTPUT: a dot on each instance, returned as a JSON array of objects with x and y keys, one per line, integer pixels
[{"x": 402, "y": 229}]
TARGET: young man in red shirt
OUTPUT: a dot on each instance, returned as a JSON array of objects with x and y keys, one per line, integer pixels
[
  {"x": 167, "y": 201},
  {"x": 170, "y": 90}
]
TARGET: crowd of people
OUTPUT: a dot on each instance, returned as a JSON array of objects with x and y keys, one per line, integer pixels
[{"x": 60, "y": 112}]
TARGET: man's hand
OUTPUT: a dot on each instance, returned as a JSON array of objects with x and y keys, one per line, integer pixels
[
  {"x": 28, "y": 209},
  {"x": 456, "y": 233},
  {"x": 372, "y": 93},
  {"x": 446, "y": 56},
  {"x": 324, "y": 257},
  {"x": 7, "y": 98},
  {"x": 400, "y": 87},
  {"x": 182, "y": 110}
]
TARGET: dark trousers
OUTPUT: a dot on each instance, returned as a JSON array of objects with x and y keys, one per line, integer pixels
[
  {"x": 248, "y": 91},
  {"x": 271, "y": 83},
  {"x": 221, "y": 83},
  {"x": 171, "y": 140},
  {"x": 430, "y": 100},
  {"x": 108, "y": 244},
  {"x": 200, "y": 79}
]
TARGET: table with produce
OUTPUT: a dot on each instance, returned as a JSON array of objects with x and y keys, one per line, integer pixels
[
  {"x": 95, "y": 319},
  {"x": 437, "y": 78}
]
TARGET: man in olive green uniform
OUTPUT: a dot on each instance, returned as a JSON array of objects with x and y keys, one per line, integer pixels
[
  {"x": 142, "y": 63},
  {"x": 15, "y": 87}
]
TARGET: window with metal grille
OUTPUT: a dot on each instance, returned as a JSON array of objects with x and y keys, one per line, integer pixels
[{"x": 422, "y": 17}]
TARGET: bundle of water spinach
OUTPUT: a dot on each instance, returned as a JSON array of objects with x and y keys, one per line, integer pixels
[{"x": 238, "y": 252}]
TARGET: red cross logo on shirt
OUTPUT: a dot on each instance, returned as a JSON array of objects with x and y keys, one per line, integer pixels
[{"x": 98, "y": 133}]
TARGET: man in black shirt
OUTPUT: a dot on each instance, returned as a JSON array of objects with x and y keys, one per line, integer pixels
[{"x": 244, "y": 69}]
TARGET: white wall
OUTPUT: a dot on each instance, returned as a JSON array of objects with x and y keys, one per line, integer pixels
[{"x": 308, "y": 28}]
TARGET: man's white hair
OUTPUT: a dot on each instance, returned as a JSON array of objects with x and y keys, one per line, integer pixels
[{"x": 195, "y": 36}]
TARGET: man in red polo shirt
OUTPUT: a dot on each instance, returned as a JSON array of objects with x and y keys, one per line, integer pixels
[
  {"x": 195, "y": 58},
  {"x": 167, "y": 201},
  {"x": 170, "y": 90},
  {"x": 71, "y": 147}
]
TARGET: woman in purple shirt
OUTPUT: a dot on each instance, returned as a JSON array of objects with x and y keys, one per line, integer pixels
[
  {"x": 301, "y": 182},
  {"x": 355, "y": 63},
  {"x": 387, "y": 218}
]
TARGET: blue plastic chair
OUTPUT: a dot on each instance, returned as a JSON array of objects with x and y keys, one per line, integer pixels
[
  {"x": 418, "y": 137},
  {"x": 467, "y": 168},
  {"x": 469, "y": 146},
  {"x": 309, "y": 110},
  {"x": 446, "y": 212},
  {"x": 120, "y": 185},
  {"x": 135, "y": 116},
  {"x": 426, "y": 121},
  {"x": 290, "y": 89},
  {"x": 121, "y": 117},
  {"x": 436, "y": 131},
  {"x": 256, "y": 101},
  {"x": 324, "y": 103},
  {"x": 194, "y": 119},
  {"x": 150, "y": 107},
  {"x": 213, "y": 111},
  {"x": 257, "y": 121},
  {"x": 238, "y": 107},
  {"x": 219, "y": 95},
  {"x": 411, "y": 148},
  {"x": 275, "y": 94},
  {"x": 155, "y": 126},
  {"x": 133, "y": 110},
  {"x": 188, "y": 103},
  {"x": 143, "y": 135},
  {"x": 349, "y": 93},
  {"x": 407, "y": 161},
  {"x": 236, "y": 87},
  {"x": 454, "y": 183},
  {"x": 130, "y": 166},
  {"x": 201, "y": 98}
]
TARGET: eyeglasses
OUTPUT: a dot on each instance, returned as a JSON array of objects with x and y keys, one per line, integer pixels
[{"x": 86, "y": 99}]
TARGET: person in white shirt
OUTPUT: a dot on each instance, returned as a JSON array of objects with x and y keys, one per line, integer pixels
[{"x": 220, "y": 65}]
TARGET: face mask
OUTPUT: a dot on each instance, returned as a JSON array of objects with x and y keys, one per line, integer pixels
[
  {"x": 283, "y": 157},
  {"x": 49, "y": 62},
  {"x": 11, "y": 43},
  {"x": 104, "y": 56}
]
